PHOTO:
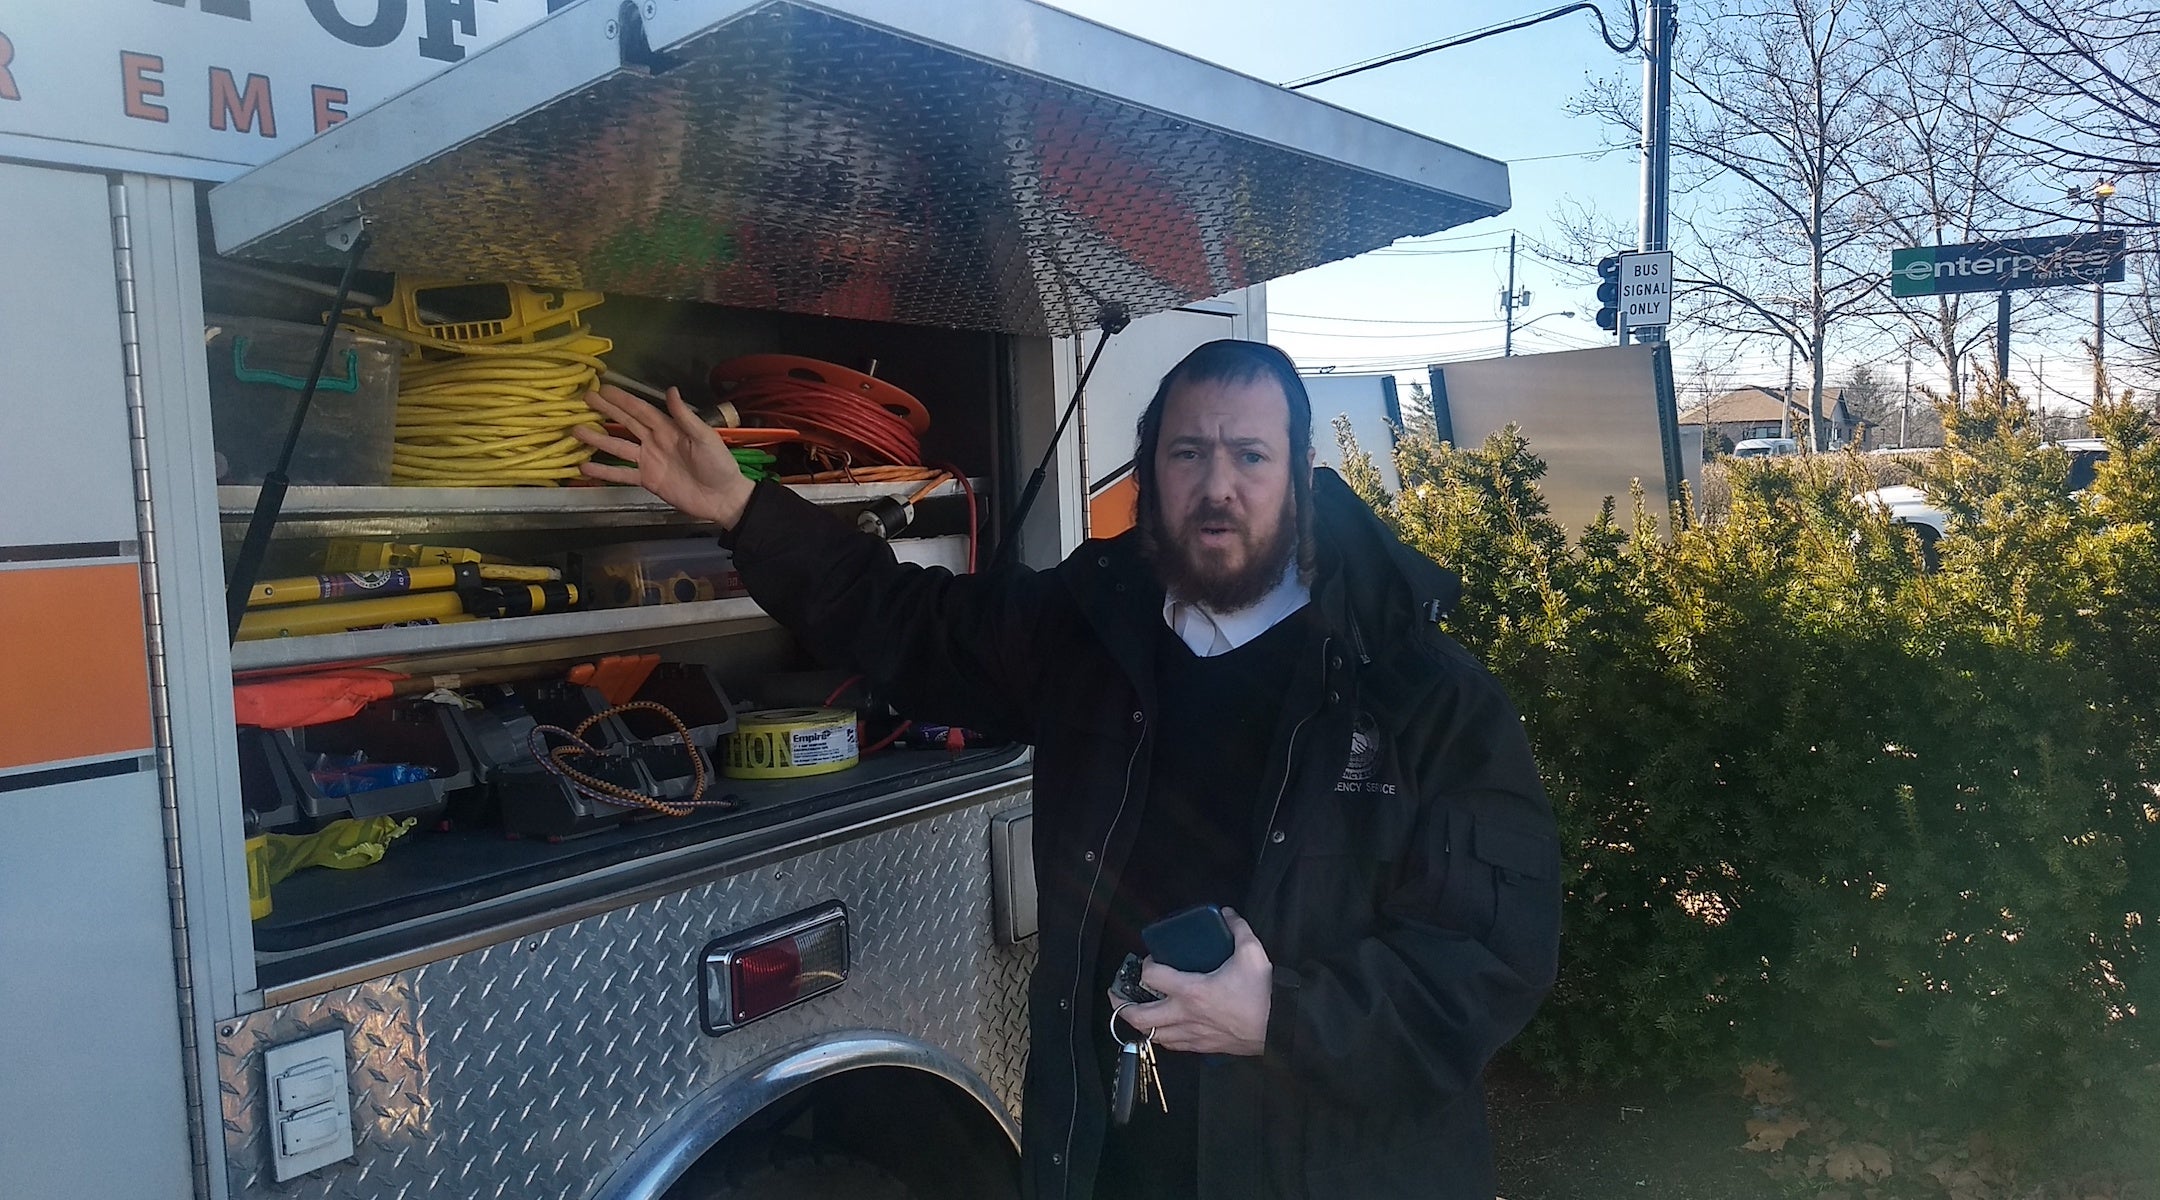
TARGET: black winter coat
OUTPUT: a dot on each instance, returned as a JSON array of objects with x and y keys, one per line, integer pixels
[{"x": 1407, "y": 877}]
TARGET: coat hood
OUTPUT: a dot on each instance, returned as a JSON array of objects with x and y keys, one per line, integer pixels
[{"x": 1372, "y": 584}]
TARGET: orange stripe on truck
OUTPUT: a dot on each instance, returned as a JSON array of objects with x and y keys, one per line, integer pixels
[
  {"x": 1110, "y": 511},
  {"x": 77, "y": 678}
]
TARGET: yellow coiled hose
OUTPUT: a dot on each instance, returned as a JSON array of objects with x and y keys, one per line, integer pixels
[{"x": 492, "y": 415}]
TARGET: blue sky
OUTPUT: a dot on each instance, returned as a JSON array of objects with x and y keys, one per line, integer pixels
[{"x": 1504, "y": 97}]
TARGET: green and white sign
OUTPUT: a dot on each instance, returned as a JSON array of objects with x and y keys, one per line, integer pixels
[{"x": 2008, "y": 265}]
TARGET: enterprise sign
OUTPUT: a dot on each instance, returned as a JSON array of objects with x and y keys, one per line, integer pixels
[{"x": 2009, "y": 264}]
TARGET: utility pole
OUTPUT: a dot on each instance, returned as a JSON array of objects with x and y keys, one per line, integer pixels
[
  {"x": 1507, "y": 302},
  {"x": 1653, "y": 227},
  {"x": 1904, "y": 420},
  {"x": 2101, "y": 192},
  {"x": 1785, "y": 401},
  {"x": 2002, "y": 338}
]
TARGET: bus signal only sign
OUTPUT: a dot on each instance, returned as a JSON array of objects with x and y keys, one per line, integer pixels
[
  {"x": 2008, "y": 265},
  {"x": 1646, "y": 289}
]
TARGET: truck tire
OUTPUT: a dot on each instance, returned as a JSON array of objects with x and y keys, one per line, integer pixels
[{"x": 825, "y": 1176}]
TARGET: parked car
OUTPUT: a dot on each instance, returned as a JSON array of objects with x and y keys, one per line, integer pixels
[
  {"x": 1908, "y": 505},
  {"x": 1765, "y": 447}
]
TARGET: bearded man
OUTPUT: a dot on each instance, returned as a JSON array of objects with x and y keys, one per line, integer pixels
[{"x": 1244, "y": 701}]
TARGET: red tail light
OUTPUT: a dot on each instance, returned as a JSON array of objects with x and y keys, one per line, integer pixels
[{"x": 761, "y": 971}]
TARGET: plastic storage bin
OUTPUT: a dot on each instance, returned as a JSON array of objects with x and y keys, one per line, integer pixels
[
  {"x": 673, "y": 571},
  {"x": 691, "y": 692},
  {"x": 257, "y": 369},
  {"x": 279, "y": 791},
  {"x": 527, "y": 799}
]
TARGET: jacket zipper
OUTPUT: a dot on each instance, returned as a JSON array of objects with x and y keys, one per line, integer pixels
[
  {"x": 1082, "y": 970},
  {"x": 1267, "y": 834}
]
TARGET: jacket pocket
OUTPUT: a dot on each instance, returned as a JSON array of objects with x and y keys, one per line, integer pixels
[
  {"x": 1516, "y": 855},
  {"x": 1520, "y": 870},
  {"x": 1498, "y": 875}
]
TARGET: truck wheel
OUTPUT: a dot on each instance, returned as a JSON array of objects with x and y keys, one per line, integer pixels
[{"x": 811, "y": 1177}]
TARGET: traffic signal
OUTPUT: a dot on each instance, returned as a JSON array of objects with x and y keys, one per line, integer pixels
[{"x": 1608, "y": 292}]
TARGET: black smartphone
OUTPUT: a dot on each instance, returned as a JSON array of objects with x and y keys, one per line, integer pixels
[{"x": 1196, "y": 940}]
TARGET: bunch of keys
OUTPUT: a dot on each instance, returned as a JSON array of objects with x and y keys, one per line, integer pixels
[{"x": 1137, "y": 1075}]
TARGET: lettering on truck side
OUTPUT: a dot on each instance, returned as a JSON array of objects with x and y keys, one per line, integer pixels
[
  {"x": 224, "y": 84},
  {"x": 443, "y": 21}
]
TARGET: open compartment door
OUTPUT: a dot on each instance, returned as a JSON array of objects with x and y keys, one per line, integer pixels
[{"x": 970, "y": 164}]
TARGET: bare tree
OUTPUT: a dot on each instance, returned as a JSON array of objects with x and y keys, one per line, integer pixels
[
  {"x": 1947, "y": 169},
  {"x": 1775, "y": 105},
  {"x": 2085, "y": 108}
]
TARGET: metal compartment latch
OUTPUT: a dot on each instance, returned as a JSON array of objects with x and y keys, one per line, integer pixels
[{"x": 1012, "y": 874}]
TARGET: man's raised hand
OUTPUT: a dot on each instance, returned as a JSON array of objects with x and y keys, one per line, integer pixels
[{"x": 674, "y": 455}]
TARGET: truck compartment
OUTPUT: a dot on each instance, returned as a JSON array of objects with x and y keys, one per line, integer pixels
[{"x": 498, "y": 832}]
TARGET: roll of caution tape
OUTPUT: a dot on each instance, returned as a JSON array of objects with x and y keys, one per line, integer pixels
[{"x": 791, "y": 743}]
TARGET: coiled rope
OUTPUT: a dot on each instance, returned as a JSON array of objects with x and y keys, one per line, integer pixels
[
  {"x": 492, "y": 415},
  {"x": 557, "y": 761}
]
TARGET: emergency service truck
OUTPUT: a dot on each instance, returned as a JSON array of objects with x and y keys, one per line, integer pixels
[{"x": 542, "y": 971}]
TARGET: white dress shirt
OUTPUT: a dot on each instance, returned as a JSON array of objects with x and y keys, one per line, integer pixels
[{"x": 1210, "y": 633}]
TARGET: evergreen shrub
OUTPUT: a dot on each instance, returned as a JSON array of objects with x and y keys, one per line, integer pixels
[{"x": 1894, "y": 830}]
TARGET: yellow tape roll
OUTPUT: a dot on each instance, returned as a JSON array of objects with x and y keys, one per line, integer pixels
[{"x": 791, "y": 743}]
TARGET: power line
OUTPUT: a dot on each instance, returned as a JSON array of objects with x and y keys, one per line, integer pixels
[
  {"x": 1633, "y": 43},
  {"x": 1403, "y": 363},
  {"x": 1375, "y": 320},
  {"x": 1421, "y": 252},
  {"x": 1431, "y": 239},
  {"x": 1378, "y": 337},
  {"x": 1600, "y": 152}
]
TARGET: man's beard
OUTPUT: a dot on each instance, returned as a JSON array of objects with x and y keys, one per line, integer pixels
[{"x": 1195, "y": 575}]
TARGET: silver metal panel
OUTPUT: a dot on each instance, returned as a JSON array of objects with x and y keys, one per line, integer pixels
[
  {"x": 991, "y": 164},
  {"x": 546, "y": 507},
  {"x": 1369, "y": 402},
  {"x": 1602, "y": 419},
  {"x": 91, "y": 1102},
  {"x": 661, "y": 624},
  {"x": 185, "y": 607},
  {"x": 63, "y": 406},
  {"x": 532, "y": 1068},
  {"x": 1126, "y": 379}
]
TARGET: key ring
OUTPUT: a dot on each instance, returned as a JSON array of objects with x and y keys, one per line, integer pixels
[{"x": 1119, "y": 1012}]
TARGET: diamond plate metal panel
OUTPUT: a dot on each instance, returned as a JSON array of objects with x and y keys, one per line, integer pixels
[
  {"x": 795, "y": 159},
  {"x": 530, "y": 1068}
]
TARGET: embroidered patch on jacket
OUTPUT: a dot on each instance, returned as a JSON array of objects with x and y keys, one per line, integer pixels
[{"x": 1364, "y": 750}]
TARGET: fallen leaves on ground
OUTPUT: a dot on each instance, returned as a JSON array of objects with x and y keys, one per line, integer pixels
[
  {"x": 1805, "y": 1142},
  {"x": 1772, "y": 1134},
  {"x": 1766, "y": 1083},
  {"x": 1858, "y": 1162}
]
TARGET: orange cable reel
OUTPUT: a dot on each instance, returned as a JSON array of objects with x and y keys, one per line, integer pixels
[{"x": 843, "y": 415}]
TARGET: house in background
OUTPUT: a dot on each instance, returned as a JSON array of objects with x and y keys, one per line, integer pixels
[{"x": 1755, "y": 412}]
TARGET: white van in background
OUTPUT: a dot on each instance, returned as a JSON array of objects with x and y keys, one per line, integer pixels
[{"x": 1765, "y": 447}]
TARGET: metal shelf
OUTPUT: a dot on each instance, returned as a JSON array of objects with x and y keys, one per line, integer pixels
[
  {"x": 318, "y": 511},
  {"x": 235, "y": 503},
  {"x": 535, "y": 638},
  {"x": 476, "y": 644}
]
